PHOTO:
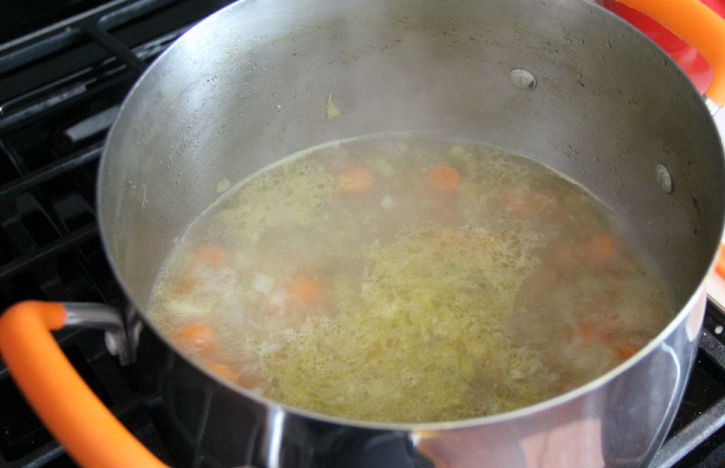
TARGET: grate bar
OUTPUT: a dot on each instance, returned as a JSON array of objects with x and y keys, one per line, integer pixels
[
  {"x": 108, "y": 16},
  {"x": 48, "y": 251},
  {"x": 11, "y": 156},
  {"x": 35, "y": 109},
  {"x": 40, "y": 458},
  {"x": 133, "y": 10},
  {"x": 52, "y": 450},
  {"x": 40, "y": 49},
  {"x": 50, "y": 171},
  {"x": 66, "y": 96},
  {"x": 704, "y": 425},
  {"x": 116, "y": 47},
  {"x": 714, "y": 349},
  {"x": 691, "y": 436}
]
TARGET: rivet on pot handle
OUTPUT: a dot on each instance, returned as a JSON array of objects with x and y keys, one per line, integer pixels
[
  {"x": 700, "y": 27},
  {"x": 93, "y": 437}
]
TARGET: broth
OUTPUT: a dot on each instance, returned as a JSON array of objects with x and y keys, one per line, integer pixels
[{"x": 405, "y": 278}]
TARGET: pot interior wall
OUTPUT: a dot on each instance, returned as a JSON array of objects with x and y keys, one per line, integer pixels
[{"x": 251, "y": 84}]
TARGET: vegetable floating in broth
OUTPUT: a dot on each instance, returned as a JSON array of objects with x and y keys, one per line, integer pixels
[{"x": 405, "y": 278}]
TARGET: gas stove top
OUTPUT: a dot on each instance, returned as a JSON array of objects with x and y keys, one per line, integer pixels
[{"x": 65, "y": 67}]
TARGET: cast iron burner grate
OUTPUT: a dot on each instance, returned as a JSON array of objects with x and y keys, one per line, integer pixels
[{"x": 61, "y": 83}]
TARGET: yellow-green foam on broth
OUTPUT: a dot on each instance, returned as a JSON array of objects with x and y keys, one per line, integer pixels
[{"x": 406, "y": 278}]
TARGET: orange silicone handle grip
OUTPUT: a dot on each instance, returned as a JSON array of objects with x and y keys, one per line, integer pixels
[
  {"x": 720, "y": 261},
  {"x": 697, "y": 25},
  {"x": 93, "y": 437}
]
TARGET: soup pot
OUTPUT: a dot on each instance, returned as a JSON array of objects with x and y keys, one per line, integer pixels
[{"x": 563, "y": 81}]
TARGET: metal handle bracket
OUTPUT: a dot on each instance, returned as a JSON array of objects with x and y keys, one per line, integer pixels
[{"x": 107, "y": 318}]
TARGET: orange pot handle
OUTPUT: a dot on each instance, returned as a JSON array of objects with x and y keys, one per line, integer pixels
[
  {"x": 93, "y": 437},
  {"x": 720, "y": 261},
  {"x": 697, "y": 25}
]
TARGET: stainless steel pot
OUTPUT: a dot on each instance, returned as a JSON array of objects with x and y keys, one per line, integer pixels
[{"x": 563, "y": 81}]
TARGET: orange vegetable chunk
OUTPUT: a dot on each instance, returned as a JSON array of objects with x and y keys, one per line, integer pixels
[
  {"x": 306, "y": 290},
  {"x": 443, "y": 178},
  {"x": 212, "y": 254},
  {"x": 588, "y": 330},
  {"x": 224, "y": 371},
  {"x": 603, "y": 246},
  {"x": 355, "y": 180},
  {"x": 195, "y": 337},
  {"x": 594, "y": 329},
  {"x": 626, "y": 351}
]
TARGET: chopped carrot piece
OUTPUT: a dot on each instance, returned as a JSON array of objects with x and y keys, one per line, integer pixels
[
  {"x": 223, "y": 371},
  {"x": 593, "y": 329},
  {"x": 626, "y": 351},
  {"x": 357, "y": 179},
  {"x": 720, "y": 265},
  {"x": 195, "y": 337},
  {"x": 306, "y": 290},
  {"x": 603, "y": 246},
  {"x": 443, "y": 178},
  {"x": 212, "y": 254},
  {"x": 588, "y": 330}
]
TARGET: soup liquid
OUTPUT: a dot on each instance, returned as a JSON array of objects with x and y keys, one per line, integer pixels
[{"x": 404, "y": 278}]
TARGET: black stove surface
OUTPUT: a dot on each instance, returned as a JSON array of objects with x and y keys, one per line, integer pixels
[{"x": 65, "y": 67}]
